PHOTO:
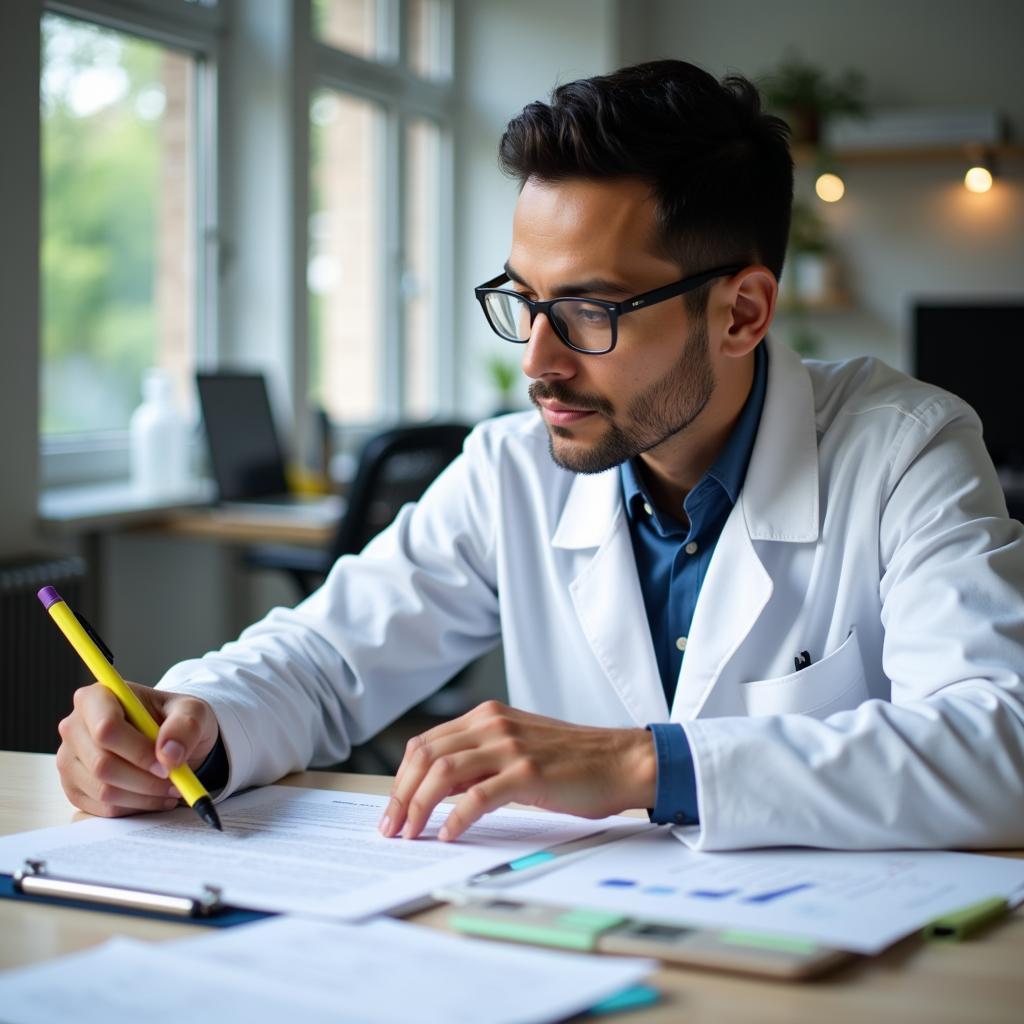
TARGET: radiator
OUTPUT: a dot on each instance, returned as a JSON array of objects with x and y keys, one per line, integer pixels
[{"x": 38, "y": 669}]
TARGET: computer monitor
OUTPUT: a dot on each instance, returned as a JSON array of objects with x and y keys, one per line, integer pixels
[
  {"x": 977, "y": 352},
  {"x": 245, "y": 451}
]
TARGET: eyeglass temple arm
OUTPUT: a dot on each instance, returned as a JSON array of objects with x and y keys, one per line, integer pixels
[
  {"x": 495, "y": 282},
  {"x": 679, "y": 288}
]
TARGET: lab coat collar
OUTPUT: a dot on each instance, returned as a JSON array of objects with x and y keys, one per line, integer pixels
[
  {"x": 780, "y": 493},
  {"x": 591, "y": 511}
]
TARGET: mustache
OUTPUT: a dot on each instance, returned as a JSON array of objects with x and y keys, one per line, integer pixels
[{"x": 555, "y": 391}]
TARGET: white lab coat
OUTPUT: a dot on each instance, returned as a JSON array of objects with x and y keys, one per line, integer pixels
[{"x": 871, "y": 531}]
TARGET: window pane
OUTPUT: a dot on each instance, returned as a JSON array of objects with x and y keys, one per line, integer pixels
[
  {"x": 343, "y": 272},
  {"x": 422, "y": 259},
  {"x": 118, "y": 264},
  {"x": 425, "y": 28},
  {"x": 352, "y": 25}
]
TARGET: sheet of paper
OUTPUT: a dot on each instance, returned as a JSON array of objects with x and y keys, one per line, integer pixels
[
  {"x": 291, "y": 850},
  {"x": 856, "y": 901},
  {"x": 294, "y": 969}
]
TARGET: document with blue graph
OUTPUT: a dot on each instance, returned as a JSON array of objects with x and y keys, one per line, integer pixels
[{"x": 857, "y": 901}]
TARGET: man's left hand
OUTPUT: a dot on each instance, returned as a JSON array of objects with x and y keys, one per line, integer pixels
[{"x": 494, "y": 755}]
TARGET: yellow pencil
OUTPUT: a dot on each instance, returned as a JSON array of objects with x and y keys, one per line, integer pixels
[{"x": 99, "y": 665}]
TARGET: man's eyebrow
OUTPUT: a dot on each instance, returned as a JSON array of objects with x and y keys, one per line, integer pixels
[{"x": 592, "y": 286}]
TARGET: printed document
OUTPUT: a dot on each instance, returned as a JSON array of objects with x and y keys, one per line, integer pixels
[
  {"x": 290, "y": 850},
  {"x": 291, "y": 969},
  {"x": 856, "y": 901}
]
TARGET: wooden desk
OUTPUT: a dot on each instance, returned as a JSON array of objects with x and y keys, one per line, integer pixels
[
  {"x": 974, "y": 982},
  {"x": 229, "y": 527}
]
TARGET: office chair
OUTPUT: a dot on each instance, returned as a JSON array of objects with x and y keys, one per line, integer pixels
[{"x": 395, "y": 467}]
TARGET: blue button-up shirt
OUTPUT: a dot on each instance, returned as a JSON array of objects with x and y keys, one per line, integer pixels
[{"x": 672, "y": 560}]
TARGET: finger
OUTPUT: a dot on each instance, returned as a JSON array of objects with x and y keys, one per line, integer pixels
[
  {"x": 104, "y": 721},
  {"x": 487, "y": 717},
  {"x": 111, "y": 802},
  {"x": 479, "y": 800},
  {"x": 187, "y": 734},
  {"x": 419, "y": 757},
  {"x": 489, "y": 709},
  {"x": 93, "y": 767},
  {"x": 444, "y": 775}
]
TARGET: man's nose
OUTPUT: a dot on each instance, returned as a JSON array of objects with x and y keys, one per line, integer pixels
[{"x": 545, "y": 354}]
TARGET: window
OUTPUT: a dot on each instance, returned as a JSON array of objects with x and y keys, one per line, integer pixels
[
  {"x": 420, "y": 285},
  {"x": 345, "y": 271},
  {"x": 428, "y": 39},
  {"x": 123, "y": 212},
  {"x": 355, "y": 26},
  {"x": 379, "y": 208}
]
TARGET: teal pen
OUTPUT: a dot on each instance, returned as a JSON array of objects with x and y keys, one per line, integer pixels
[{"x": 534, "y": 861}]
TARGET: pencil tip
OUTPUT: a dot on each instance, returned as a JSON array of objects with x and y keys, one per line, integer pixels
[{"x": 205, "y": 809}]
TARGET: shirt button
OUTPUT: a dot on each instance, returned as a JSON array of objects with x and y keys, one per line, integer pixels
[
  {"x": 648, "y": 509},
  {"x": 681, "y": 644},
  {"x": 691, "y": 548}
]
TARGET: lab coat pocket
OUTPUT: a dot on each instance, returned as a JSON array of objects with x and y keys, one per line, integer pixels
[{"x": 836, "y": 683}]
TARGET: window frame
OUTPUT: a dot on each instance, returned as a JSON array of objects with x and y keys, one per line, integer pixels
[
  {"x": 194, "y": 29},
  {"x": 403, "y": 97}
]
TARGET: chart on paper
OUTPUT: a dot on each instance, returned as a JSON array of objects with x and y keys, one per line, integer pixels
[{"x": 859, "y": 901}]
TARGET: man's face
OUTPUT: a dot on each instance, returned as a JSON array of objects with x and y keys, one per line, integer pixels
[{"x": 597, "y": 239}]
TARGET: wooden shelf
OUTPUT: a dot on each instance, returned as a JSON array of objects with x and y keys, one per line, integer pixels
[
  {"x": 805, "y": 154},
  {"x": 839, "y": 304}
]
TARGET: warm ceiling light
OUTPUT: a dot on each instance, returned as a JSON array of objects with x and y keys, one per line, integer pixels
[
  {"x": 978, "y": 179},
  {"x": 830, "y": 188}
]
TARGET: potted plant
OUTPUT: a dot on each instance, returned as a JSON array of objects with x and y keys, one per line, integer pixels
[
  {"x": 811, "y": 272},
  {"x": 805, "y": 96},
  {"x": 503, "y": 374}
]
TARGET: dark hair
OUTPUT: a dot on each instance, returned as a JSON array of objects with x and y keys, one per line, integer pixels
[{"x": 719, "y": 168}]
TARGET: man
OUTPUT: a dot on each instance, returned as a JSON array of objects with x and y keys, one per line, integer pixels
[{"x": 776, "y": 602}]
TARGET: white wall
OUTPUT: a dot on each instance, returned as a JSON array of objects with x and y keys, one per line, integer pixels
[
  {"x": 508, "y": 54},
  {"x": 906, "y": 229}
]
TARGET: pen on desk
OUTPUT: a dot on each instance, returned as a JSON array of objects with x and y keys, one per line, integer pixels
[
  {"x": 964, "y": 922},
  {"x": 98, "y": 658},
  {"x": 534, "y": 861}
]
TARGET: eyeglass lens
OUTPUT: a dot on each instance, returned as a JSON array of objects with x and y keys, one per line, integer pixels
[{"x": 584, "y": 325}]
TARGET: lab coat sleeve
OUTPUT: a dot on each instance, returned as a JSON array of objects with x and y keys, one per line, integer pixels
[
  {"x": 942, "y": 764},
  {"x": 387, "y": 628}
]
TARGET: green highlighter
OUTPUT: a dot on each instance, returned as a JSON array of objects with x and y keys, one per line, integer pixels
[{"x": 963, "y": 923}]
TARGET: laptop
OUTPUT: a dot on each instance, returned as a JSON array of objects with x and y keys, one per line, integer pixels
[{"x": 246, "y": 454}]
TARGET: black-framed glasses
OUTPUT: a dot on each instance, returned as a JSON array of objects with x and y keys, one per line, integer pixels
[{"x": 590, "y": 326}]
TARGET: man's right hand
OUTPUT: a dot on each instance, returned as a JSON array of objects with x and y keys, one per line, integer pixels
[{"x": 107, "y": 767}]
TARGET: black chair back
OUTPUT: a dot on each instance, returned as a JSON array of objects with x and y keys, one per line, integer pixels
[{"x": 395, "y": 467}]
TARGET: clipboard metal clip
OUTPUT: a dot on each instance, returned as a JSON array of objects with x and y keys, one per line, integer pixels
[{"x": 33, "y": 880}]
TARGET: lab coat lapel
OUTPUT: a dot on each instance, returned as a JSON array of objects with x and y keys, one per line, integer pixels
[
  {"x": 778, "y": 503},
  {"x": 606, "y": 593}
]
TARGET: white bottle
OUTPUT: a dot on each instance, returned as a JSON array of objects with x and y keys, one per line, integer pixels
[{"x": 159, "y": 440}]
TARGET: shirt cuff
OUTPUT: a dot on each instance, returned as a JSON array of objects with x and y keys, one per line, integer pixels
[
  {"x": 675, "y": 790},
  {"x": 213, "y": 772}
]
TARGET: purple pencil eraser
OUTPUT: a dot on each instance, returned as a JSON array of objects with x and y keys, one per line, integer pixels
[{"x": 49, "y": 597}]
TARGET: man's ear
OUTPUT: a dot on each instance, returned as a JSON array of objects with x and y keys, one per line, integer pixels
[{"x": 749, "y": 298}]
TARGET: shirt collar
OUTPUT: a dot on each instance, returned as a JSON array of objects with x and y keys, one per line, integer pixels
[{"x": 730, "y": 468}]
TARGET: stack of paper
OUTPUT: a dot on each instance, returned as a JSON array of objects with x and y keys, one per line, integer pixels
[
  {"x": 293, "y": 969},
  {"x": 290, "y": 850},
  {"x": 856, "y": 901}
]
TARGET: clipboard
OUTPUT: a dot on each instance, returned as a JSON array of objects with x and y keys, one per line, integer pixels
[{"x": 33, "y": 884}]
